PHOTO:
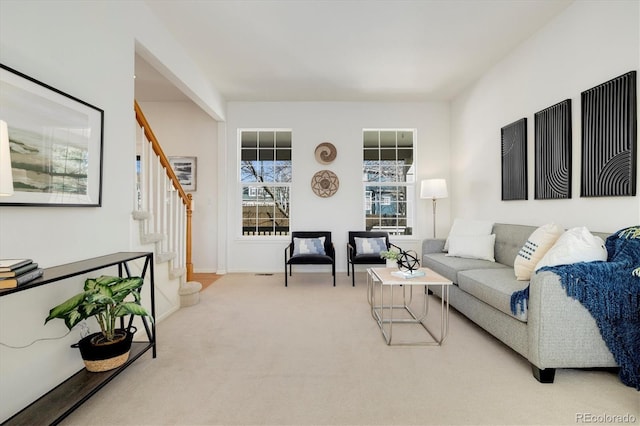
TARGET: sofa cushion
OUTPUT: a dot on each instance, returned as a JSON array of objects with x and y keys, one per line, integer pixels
[
  {"x": 450, "y": 266},
  {"x": 494, "y": 287},
  {"x": 575, "y": 245},
  {"x": 472, "y": 247},
  {"x": 509, "y": 241},
  {"x": 538, "y": 243},
  {"x": 466, "y": 227}
]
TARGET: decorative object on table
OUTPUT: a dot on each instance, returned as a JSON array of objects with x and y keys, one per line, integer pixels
[
  {"x": 6, "y": 175},
  {"x": 609, "y": 138},
  {"x": 106, "y": 298},
  {"x": 325, "y": 183},
  {"x": 553, "y": 152},
  {"x": 408, "y": 261},
  {"x": 57, "y": 144},
  {"x": 326, "y": 153},
  {"x": 514, "y": 160},
  {"x": 185, "y": 169},
  {"x": 433, "y": 189}
]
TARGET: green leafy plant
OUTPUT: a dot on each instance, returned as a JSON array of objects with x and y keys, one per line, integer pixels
[
  {"x": 106, "y": 298},
  {"x": 390, "y": 255}
]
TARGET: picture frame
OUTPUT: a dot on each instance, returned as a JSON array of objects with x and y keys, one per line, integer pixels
[
  {"x": 609, "y": 133},
  {"x": 56, "y": 144},
  {"x": 553, "y": 149},
  {"x": 513, "y": 139},
  {"x": 186, "y": 170}
]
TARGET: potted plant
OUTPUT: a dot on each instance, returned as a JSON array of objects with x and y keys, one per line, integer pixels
[
  {"x": 391, "y": 256},
  {"x": 106, "y": 298}
]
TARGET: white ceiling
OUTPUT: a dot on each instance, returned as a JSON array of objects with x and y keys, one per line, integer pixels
[{"x": 349, "y": 50}]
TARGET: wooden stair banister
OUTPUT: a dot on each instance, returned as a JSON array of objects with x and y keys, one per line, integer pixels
[{"x": 186, "y": 198}]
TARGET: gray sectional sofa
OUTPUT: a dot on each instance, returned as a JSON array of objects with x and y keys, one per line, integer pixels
[{"x": 555, "y": 331}]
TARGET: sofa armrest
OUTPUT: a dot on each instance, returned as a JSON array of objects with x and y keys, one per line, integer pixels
[
  {"x": 562, "y": 332},
  {"x": 433, "y": 245}
]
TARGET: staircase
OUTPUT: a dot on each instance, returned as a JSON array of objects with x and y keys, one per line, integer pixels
[{"x": 163, "y": 211}]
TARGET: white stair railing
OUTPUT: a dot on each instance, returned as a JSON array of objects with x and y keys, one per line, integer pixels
[{"x": 162, "y": 207}]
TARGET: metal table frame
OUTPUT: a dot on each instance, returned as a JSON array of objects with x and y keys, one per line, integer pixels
[{"x": 379, "y": 278}]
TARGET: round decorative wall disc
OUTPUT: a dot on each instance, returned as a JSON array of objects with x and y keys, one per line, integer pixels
[
  {"x": 326, "y": 153},
  {"x": 325, "y": 183}
]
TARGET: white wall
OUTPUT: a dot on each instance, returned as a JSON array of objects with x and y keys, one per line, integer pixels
[
  {"x": 183, "y": 129},
  {"x": 342, "y": 125},
  {"x": 51, "y": 42},
  {"x": 85, "y": 49},
  {"x": 588, "y": 44}
]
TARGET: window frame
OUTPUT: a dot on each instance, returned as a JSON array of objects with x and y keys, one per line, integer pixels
[
  {"x": 258, "y": 185},
  {"x": 409, "y": 184}
]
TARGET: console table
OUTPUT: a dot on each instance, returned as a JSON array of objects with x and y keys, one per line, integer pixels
[{"x": 59, "y": 402}]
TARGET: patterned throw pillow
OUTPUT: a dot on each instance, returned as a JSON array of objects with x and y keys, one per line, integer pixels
[
  {"x": 370, "y": 245},
  {"x": 308, "y": 246},
  {"x": 539, "y": 242}
]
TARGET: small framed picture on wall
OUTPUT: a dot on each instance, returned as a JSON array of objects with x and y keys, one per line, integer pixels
[{"x": 185, "y": 169}]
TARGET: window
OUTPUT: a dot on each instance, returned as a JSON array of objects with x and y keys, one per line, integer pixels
[
  {"x": 265, "y": 179},
  {"x": 388, "y": 173}
]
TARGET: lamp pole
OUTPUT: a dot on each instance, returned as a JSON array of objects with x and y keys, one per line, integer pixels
[
  {"x": 434, "y": 217},
  {"x": 434, "y": 189}
]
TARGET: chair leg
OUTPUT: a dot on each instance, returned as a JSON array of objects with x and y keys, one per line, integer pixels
[
  {"x": 353, "y": 275},
  {"x": 285, "y": 274},
  {"x": 333, "y": 272}
]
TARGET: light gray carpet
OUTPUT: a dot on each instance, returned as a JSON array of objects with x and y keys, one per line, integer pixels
[{"x": 255, "y": 352}]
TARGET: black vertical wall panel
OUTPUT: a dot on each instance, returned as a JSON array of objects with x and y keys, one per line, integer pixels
[
  {"x": 553, "y": 152},
  {"x": 609, "y": 138},
  {"x": 514, "y": 160}
]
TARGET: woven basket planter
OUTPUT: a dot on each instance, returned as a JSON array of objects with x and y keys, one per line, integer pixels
[{"x": 105, "y": 356}]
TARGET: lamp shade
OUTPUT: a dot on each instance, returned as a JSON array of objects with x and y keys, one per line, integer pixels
[
  {"x": 6, "y": 178},
  {"x": 433, "y": 188}
]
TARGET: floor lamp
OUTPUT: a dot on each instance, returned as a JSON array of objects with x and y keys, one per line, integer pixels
[{"x": 434, "y": 189}]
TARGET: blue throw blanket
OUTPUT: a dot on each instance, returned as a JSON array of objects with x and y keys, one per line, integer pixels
[{"x": 611, "y": 293}]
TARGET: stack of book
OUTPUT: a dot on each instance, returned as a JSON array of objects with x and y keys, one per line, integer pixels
[
  {"x": 15, "y": 272},
  {"x": 409, "y": 274}
]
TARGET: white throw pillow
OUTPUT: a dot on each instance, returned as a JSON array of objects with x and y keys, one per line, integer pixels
[
  {"x": 472, "y": 247},
  {"x": 539, "y": 242},
  {"x": 575, "y": 245},
  {"x": 467, "y": 227}
]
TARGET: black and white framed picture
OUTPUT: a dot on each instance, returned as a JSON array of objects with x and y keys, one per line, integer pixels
[
  {"x": 610, "y": 138},
  {"x": 185, "y": 169},
  {"x": 55, "y": 144},
  {"x": 514, "y": 160},
  {"x": 553, "y": 145}
]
